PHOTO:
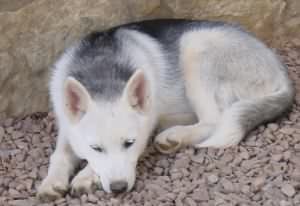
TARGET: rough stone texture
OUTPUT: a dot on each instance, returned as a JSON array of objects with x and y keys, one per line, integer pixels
[
  {"x": 268, "y": 19},
  {"x": 32, "y": 35},
  {"x": 13, "y": 5},
  {"x": 34, "y": 32},
  {"x": 264, "y": 169}
]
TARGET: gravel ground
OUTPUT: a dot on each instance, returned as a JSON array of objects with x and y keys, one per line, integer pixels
[{"x": 263, "y": 170}]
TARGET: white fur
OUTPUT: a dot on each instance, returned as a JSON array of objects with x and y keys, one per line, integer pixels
[{"x": 196, "y": 101}]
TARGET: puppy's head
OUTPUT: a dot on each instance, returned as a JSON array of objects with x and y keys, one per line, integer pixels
[{"x": 110, "y": 135}]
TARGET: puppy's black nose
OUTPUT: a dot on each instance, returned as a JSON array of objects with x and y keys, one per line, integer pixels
[{"x": 118, "y": 186}]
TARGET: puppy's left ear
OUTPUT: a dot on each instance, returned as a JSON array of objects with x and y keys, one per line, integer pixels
[{"x": 137, "y": 92}]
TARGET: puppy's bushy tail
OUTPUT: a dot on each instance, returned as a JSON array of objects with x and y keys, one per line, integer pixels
[{"x": 245, "y": 115}]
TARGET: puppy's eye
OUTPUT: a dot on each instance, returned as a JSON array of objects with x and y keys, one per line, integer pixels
[
  {"x": 97, "y": 148},
  {"x": 128, "y": 143}
]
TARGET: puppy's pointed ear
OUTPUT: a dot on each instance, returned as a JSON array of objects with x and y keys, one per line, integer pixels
[
  {"x": 76, "y": 99},
  {"x": 138, "y": 92}
]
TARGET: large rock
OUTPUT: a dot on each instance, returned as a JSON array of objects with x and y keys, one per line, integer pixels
[
  {"x": 31, "y": 37},
  {"x": 259, "y": 16},
  {"x": 270, "y": 20},
  {"x": 34, "y": 32}
]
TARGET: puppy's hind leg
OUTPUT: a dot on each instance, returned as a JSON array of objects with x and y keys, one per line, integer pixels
[
  {"x": 200, "y": 94},
  {"x": 229, "y": 132},
  {"x": 208, "y": 114},
  {"x": 62, "y": 165}
]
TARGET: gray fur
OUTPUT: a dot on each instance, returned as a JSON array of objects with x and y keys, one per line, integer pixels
[
  {"x": 97, "y": 67},
  {"x": 96, "y": 63}
]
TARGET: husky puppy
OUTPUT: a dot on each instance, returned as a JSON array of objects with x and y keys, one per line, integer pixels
[{"x": 201, "y": 83}]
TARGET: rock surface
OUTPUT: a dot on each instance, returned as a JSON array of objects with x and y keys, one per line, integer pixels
[{"x": 34, "y": 32}]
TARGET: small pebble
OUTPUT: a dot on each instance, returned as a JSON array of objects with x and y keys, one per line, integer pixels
[
  {"x": 245, "y": 189},
  {"x": 258, "y": 183},
  {"x": 21, "y": 203},
  {"x": 288, "y": 190},
  {"x": 84, "y": 198},
  {"x": 285, "y": 203},
  {"x": 287, "y": 130},
  {"x": 158, "y": 170},
  {"x": 244, "y": 155},
  {"x": 212, "y": 179},
  {"x": 60, "y": 201},
  {"x": 190, "y": 202},
  {"x": 273, "y": 127},
  {"x": 200, "y": 194},
  {"x": 297, "y": 147},
  {"x": 92, "y": 198},
  {"x": 277, "y": 157},
  {"x": 227, "y": 185},
  {"x": 2, "y": 132}
]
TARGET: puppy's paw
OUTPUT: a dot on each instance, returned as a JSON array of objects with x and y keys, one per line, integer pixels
[
  {"x": 170, "y": 140},
  {"x": 52, "y": 189},
  {"x": 84, "y": 183}
]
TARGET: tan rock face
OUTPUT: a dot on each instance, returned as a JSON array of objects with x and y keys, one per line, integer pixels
[
  {"x": 259, "y": 16},
  {"x": 34, "y": 32},
  {"x": 31, "y": 37}
]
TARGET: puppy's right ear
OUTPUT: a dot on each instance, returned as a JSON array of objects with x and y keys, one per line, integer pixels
[{"x": 77, "y": 99}]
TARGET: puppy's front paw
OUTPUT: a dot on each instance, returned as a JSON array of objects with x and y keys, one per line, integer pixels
[
  {"x": 170, "y": 140},
  {"x": 52, "y": 189},
  {"x": 84, "y": 183}
]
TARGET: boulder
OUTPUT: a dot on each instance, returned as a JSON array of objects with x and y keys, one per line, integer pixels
[{"x": 34, "y": 32}]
